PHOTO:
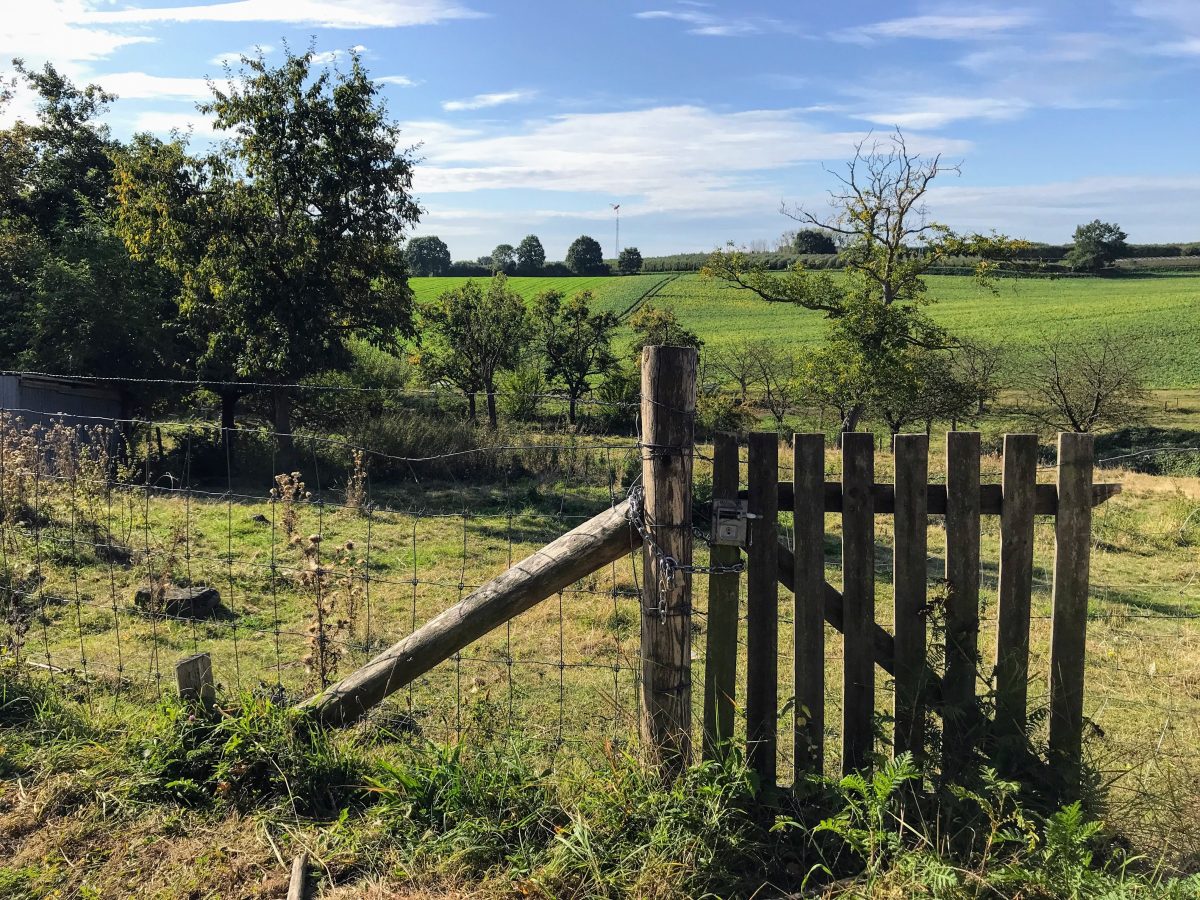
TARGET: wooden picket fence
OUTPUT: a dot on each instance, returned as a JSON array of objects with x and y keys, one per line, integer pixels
[{"x": 904, "y": 654}]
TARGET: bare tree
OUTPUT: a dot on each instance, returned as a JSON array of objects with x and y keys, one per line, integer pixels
[
  {"x": 1085, "y": 387},
  {"x": 778, "y": 377},
  {"x": 737, "y": 364}
]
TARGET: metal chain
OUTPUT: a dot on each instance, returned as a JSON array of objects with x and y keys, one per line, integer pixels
[{"x": 668, "y": 566}]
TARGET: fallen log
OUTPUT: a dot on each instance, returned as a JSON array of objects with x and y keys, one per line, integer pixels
[{"x": 594, "y": 544}]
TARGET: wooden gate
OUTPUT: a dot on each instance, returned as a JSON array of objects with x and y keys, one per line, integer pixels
[{"x": 948, "y": 690}]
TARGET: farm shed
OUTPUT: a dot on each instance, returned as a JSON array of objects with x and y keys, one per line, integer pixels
[{"x": 39, "y": 399}]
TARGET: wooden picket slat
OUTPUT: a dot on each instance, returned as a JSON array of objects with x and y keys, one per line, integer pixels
[
  {"x": 762, "y": 607},
  {"x": 909, "y": 580},
  {"x": 1015, "y": 584},
  {"x": 858, "y": 594},
  {"x": 720, "y": 662},
  {"x": 962, "y": 599},
  {"x": 808, "y": 472},
  {"x": 1068, "y": 628}
]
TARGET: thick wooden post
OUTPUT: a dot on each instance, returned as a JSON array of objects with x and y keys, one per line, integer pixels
[
  {"x": 908, "y": 583},
  {"x": 858, "y": 596},
  {"x": 762, "y": 607},
  {"x": 962, "y": 598},
  {"x": 668, "y": 421},
  {"x": 808, "y": 498},
  {"x": 1068, "y": 628},
  {"x": 1015, "y": 585},
  {"x": 720, "y": 656},
  {"x": 194, "y": 678}
]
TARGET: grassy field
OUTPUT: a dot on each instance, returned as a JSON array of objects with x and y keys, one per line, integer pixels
[
  {"x": 1155, "y": 312},
  {"x": 612, "y": 294}
]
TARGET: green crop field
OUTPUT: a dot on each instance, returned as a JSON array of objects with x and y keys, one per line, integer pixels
[
  {"x": 1157, "y": 313},
  {"x": 612, "y": 294}
]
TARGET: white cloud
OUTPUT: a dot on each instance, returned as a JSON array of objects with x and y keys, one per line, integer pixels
[
  {"x": 712, "y": 25},
  {"x": 949, "y": 27},
  {"x": 162, "y": 123},
  {"x": 140, "y": 86},
  {"x": 400, "y": 80},
  {"x": 234, "y": 57},
  {"x": 683, "y": 159},
  {"x": 937, "y": 112},
  {"x": 486, "y": 101},
  {"x": 319, "y": 13},
  {"x": 326, "y": 57},
  {"x": 57, "y": 29},
  {"x": 1150, "y": 208}
]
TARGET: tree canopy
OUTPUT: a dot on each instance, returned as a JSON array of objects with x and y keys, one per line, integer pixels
[
  {"x": 630, "y": 261},
  {"x": 471, "y": 334},
  {"x": 1097, "y": 246},
  {"x": 584, "y": 257},
  {"x": 576, "y": 341},
  {"x": 531, "y": 256},
  {"x": 287, "y": 237},
  {"x": 428, "y": 255}
]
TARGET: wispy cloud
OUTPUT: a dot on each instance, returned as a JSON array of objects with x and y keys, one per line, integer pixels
[
  {"x": 319, "y": 13},
  {"x": 682, "y": 159},
  {"x": 398, "y": 80},
  {"x": 325, "y": 57},
  {"x": 940, "y": 111},
  {"x": 58, "y": 29},
  {"x": 233, "y": 57},
  {"x": 486, "y": 101},
  {"x": 982, "y": 25},
  {"x": 711, "y": 24},
  {"x": 141, "y": 86}
]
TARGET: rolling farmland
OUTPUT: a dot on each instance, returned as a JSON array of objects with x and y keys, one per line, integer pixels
[{"x": 1157, "y": 313}]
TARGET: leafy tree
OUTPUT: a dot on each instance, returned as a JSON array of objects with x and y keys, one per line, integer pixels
[
  {"x": 877, "y": 309},
  {"x": 73, "y": 301},
  {"x": 1097, "y": 246},
  {"x": 471, "y": 335},
  {"x": 778, "y": 373},
  {"x": 584, "y": 257},
  {"x": 735, "y": 363},
  {"x": 504, "y": 259},
  {"x": 836, "y": 376},
  {"x": 1085, "y": 386},
  {"x": 531, "y": 256},
  {"x": 653, "y": 326},
  {"x": 287, "y": 237},
  {"x": 813, "y": 241},
  {"x": 630, "y": 261},
  {"x": 427, "y": 255},
  {"x": 484, "y": 261},
  {"x": 576, "y": 341}
]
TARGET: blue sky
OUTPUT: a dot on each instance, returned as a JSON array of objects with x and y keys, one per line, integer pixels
[{"x": 700, "y": 118}]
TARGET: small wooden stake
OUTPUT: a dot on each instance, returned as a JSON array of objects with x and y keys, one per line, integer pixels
[
  {"x": 194, "y": 678},
  {"x": 298, "y": 886}
]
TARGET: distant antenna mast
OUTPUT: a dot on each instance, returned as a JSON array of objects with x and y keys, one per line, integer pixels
[{"x": 616, "y": 207}]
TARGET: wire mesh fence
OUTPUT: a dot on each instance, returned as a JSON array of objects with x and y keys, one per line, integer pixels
[{"x": 325, "y": 554}]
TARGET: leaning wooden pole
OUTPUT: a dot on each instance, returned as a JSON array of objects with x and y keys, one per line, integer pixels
[
  {"x": 668, "y": 419},
  {"x": 593, "y": 545}
]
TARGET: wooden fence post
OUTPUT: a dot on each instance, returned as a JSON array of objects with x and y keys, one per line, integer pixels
[
  {"x": 762, "y": 607},
  {"x": 194, "y": 678},
  {"x": 720, "y": 655},
  {"x": 808, "y": 507},
  {"x": 909, "y": 588},
  {"x": 668, "y": 420},
  {"x": 858, "y": 597},
  {"x": 1014, "y": 592},
  {"x": 1068, "y": 628},
  {"x": 962, "y": 598}
]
